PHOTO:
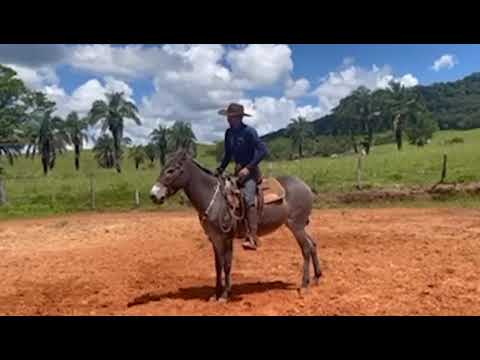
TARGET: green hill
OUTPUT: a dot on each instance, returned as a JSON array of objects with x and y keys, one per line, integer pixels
[{"x": 454, "y": 105}]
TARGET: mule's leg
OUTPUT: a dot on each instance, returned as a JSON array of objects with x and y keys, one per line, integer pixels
[
  {"x": 227, "y": 267},
  {"x": 301, "y": 236},
  {"x": 316, "y": 264},
  {"x": 219, "y": 261}
]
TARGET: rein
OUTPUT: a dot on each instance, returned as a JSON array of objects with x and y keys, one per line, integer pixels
[
  {"x": 227, "y": 223},
  {"x": 228, "y": 220},
  {"x": 212, "y": 201}
]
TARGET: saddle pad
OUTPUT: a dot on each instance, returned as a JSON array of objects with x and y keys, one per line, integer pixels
[{"x": 272, "y": 190}]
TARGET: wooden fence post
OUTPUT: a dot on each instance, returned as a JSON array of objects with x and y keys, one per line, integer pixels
[
  {"x": 359, "y": 172},
  {"x": 137, "y": 197},
  {"x": 3, "y": 192},
  {"x": 444, "y": 168},
  {"x": 92, "y": 192}
]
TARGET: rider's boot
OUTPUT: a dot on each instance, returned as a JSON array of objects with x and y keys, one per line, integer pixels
[{"x": 251, "y": 242}]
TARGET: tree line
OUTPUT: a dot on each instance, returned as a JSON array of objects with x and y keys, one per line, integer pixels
[
  {"x": 361, "y": 119},
  {"x": 28, "y": 124},
  {"x": 415, "y": 112}
]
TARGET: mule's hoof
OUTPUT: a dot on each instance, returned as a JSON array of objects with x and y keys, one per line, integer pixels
[
  {"x": 316, "y": 281},
  {"x": 223, "y": 300},
  {"x": 213, "y": 298},
  {"x": 303, "y": 291}
]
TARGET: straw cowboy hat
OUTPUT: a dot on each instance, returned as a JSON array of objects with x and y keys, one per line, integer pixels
[{"x": 234, "y": 110}]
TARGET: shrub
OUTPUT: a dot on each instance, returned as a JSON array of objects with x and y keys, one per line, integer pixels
[{"x": 455, "y": 140}]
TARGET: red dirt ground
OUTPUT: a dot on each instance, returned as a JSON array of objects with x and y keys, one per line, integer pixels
[{"x": 375, "y": 262}]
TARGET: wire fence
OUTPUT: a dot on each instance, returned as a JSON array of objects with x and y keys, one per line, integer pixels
[
  {"x": 27, "y": 194},
  {"x": 32, "y": 194},
  {"x": 106, "y": 190}
]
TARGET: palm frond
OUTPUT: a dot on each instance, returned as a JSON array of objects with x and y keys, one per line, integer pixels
[{"x": 98, "y": 111}]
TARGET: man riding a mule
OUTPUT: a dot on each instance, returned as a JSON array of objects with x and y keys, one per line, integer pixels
[{"x": 243, "y": 144}]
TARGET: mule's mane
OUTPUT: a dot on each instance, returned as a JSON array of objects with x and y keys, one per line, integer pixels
[
  {"x": 201, "y": 167},
  {"x": 181, "y": 155}
]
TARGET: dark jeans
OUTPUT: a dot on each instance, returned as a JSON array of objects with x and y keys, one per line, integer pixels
[
  {"x": 249, "y": 185},
  {"x": 249, "y": 190}
]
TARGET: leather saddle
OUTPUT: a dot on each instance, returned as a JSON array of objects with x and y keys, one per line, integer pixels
[
  {"x": 269, "y": 191},
  {"x": 272, "y": 190}
]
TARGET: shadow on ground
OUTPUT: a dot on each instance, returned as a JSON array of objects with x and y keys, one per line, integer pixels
[{"x": 205, "y": 292}]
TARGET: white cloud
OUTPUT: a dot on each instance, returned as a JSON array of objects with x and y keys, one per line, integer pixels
[
  {"x": 295, "y": 89},
  {"x": 270, "y": 114},
  {"x": 126, "y": 61},
  {"x": 195, "y": 91},
  {"x": 446, "y": 61},
  {"x": 33, "y": 77},
  {"x": 260, "y": 65},
  {"x": 82, "y": 98},
  {"x": 340, "y": 84},
  {"x": 191, "y": 82},
  {"x": 408, "y": 80},
  {"x": 204, "y": 83}
]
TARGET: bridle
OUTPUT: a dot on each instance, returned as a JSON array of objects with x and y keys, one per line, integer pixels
[
  {"x": 225, "y": 225},
  {"x": 168, "y": 182}
]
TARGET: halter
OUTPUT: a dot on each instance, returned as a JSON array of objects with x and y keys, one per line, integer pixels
[{"x": 225, "y": 225}]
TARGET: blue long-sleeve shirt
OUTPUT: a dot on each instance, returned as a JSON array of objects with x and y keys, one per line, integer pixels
[{"x": 243, "y": 145}]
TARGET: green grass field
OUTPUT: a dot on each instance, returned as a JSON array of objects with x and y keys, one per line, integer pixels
[
  {"x": 65, "y": 190},
  {"x": 387, "y": 166}
]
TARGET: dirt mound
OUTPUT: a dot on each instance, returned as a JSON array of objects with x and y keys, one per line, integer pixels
[
  {"x": 438, "y": 191},
  {"x": 375, "y": 261}
]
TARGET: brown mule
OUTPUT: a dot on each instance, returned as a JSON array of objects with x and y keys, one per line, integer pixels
[{"x": 205, "y": 192}]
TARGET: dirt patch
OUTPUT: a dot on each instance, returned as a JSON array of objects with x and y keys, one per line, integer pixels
[{"x": 375, "y": 262}]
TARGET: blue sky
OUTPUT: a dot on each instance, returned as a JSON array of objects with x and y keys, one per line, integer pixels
[
  {"x": 316, "y": 60},
  {"x": 190, "y": 82}
]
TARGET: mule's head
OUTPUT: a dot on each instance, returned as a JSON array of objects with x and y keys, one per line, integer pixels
[{"x": 173, "y": 177}]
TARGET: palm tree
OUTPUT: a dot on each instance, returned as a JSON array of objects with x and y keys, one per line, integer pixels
[
  {"x": 137, "y": 153},
  {"x": 112, "y": 113},
  {"x": 104, "y": 151},
  {"x": 403, "y": 103},
  {"x": 11, "y": 141},
  {"x": 127, "y": 141},
  {"x": 10, "y": 150},
  {"x": 150, "y": 152},
  {"x": 52, "y": 137},
  {"x": 299, "y": 130},
  {"x": 77, "y": 132},
  {"x": 159, "y": 138},
  {"x": 181, "y": 136},
  {"x": 368, "y": 105},
  {"x": 31, "y": 130}
]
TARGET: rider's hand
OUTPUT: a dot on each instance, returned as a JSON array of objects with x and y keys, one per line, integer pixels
[
  {"x": 244, "y": 172},
  {"x": 218, "y": 171}
]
